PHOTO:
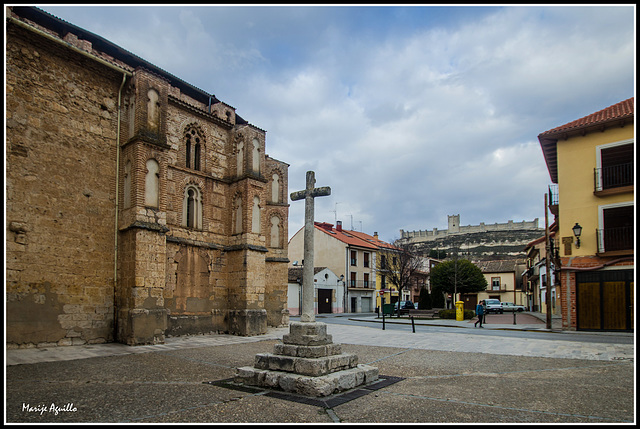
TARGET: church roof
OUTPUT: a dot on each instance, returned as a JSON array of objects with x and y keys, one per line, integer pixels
[{"x": 59, "y": 28}]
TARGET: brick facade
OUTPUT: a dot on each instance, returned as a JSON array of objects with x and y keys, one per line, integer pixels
[{"x": 201, "y": 210}]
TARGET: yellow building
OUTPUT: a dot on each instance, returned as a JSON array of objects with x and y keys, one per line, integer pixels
[
  {"x": 504, "y": 282},
  {"x": 592, "y": 161}
]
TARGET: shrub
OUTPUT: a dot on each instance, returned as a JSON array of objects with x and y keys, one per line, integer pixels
[{"x": 451, "y": 314}]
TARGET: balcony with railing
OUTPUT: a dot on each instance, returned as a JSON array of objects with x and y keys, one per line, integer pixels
[
  {"x": 362, "y": 284},
  {"x": 497, "y": 288},
  {"x": 615, "y": 240},
  {"x": 613, "y": 179},
  {"x": 553, "y": 199}
]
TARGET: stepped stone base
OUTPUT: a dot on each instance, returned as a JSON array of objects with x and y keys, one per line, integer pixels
[{"x": 308, "y": 363}]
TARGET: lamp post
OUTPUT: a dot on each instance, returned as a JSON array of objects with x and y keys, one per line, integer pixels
[
  {"x": 547, "y": 263},
  {"x": 344, "y": 293},
  {"x": 577, "y": 231}
]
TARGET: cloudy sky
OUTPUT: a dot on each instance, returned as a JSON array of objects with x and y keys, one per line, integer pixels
[{"x": 410, "y": 113}]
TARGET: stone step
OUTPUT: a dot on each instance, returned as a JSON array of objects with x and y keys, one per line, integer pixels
[
  {"x": 307, "y": 334},
  {"x": 306, "y": 366},
  {"x": 308, "y": 385},
  {"x": 307, "y": 351}
]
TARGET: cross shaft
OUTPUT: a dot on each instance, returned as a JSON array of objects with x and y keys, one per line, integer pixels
[{"x": 308, "y": 313}]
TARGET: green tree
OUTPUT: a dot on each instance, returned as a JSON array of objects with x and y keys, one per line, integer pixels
[
  {"x": 457, "y": 276},
  {"x": 398, "y": 263},
  {"x": 437, "y": 299},
  {"x": 424, "y": 301}
]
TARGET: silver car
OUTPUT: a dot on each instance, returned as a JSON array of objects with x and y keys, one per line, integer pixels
[{"x": 510, "y": 306}]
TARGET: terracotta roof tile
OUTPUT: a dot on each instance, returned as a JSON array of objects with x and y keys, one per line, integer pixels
[
  {"x": 499, "y": 266},
  {"x": 621, "y": 110},
  {"x": 344, "y": 235},
  {"x": 620, "y": 113}
]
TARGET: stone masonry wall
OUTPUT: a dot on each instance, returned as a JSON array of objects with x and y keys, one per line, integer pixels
[{"x": 61, "y": 117}]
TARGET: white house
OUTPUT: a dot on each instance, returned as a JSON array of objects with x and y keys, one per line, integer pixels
[{"x": 328, "y": 290}]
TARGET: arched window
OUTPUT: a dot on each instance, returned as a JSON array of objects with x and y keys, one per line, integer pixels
[
  {"x": 237, "y": 226},
  {"x": 192, "y": 207},
  {"x": 275, "y": 189},
  {"x": 132, "y": 116},
  {"x": 193, "y": 144},
  {"x": 127, "y": 185},
  {"x": 191, "y": 199},
  {"x": 255, "y": 216},
  {"x": 256, "y": 156},
  {"x": 240, "y": 158},
  {"x": 153, "y": 112},
  {"x": 151, "y": 184},
  {"x": 275, "y": 231}
]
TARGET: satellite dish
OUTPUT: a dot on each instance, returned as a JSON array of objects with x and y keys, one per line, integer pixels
[{"x": 295, "y": 263}]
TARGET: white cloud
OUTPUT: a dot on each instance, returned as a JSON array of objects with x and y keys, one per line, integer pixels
[{"x": 407, "y": 122}]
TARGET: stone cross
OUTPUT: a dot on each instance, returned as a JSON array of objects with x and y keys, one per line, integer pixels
[{"x": 308, "y": 313}]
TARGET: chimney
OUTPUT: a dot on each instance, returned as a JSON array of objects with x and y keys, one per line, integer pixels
[
  {"x": 375, "y": 235},
  {"x": 339, "y": 225}
]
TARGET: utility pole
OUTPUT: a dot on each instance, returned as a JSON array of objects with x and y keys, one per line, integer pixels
[{"x": 547, "y": 262}]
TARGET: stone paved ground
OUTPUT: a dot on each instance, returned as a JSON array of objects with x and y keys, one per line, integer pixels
[{"x": 454, "y": 378}]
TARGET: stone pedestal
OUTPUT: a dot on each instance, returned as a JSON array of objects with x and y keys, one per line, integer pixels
[{"x": 307, "y": 363}]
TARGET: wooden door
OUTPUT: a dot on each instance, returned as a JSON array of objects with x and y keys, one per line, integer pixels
[
  {"x": 324, "y": 300},
  {"x": 614, "y": 312},
  {"x": 588, "y": 305},
  {"x": 605, "y": 300}
]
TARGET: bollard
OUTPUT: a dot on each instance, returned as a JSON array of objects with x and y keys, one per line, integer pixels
[
  {"x": 413, "y": 326},
  {"x": 383, "y": 320},
  {"x": 514, "y": 317}
]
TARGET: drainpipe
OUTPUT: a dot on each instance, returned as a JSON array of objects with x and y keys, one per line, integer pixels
[{"x": 115, "y": 234}]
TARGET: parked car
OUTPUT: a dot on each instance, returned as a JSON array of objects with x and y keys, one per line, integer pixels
[
  {"x": 493, "y": 306},
  {"x": 407, "y": 305},
  {"x": 510, "y": 306}
]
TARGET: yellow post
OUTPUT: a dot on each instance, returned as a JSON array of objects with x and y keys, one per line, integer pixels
[{"x": 459, "y": 311}]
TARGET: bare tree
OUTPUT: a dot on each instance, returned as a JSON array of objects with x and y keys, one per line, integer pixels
[{"x": 398, "y": 262}]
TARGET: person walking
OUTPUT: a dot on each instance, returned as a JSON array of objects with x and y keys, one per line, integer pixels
[{"x": 479, "y": 313}]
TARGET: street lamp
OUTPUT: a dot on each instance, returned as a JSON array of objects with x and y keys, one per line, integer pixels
[
  {"x": 344, "y": 294},
  {"x": 577, "y": 230}
]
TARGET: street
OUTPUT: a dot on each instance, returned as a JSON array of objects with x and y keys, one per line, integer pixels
[{"x": 403, "y": 325}]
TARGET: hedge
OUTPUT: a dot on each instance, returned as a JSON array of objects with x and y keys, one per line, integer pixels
[{"x": 451, "y": 314}]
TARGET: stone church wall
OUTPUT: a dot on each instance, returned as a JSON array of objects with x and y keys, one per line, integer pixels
[
  {"x": 201, "y": 210},
  {"x": 60, "y": 189}
]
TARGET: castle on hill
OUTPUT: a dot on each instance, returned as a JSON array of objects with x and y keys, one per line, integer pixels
[{"x": 479, "y": 242}]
